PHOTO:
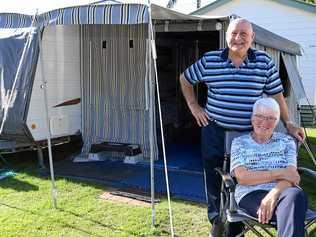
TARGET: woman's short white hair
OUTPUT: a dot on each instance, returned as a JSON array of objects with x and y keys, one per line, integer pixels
[{"x": 267, "y": 103}]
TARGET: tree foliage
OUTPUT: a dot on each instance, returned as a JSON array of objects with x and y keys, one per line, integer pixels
[
  {"x": 309, "y": 1},
  {"x": 171, "y": 3}
]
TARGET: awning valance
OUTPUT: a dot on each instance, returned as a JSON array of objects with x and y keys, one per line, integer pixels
[{"x": 88, "y": 14}]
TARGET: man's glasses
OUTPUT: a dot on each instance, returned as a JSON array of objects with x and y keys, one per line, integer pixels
[{"x": 261, "y": 117}]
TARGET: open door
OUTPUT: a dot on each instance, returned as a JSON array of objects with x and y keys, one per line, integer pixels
[{"x": 115, "y": 85}]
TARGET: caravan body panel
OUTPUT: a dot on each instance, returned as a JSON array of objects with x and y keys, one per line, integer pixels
[{"x": 61, "y": 65}]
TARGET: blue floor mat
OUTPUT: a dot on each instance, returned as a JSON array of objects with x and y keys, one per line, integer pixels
[
  {"x": 184, "y": 170},
  {"x": 182, "y": 185},
  {"x": 181, "y": 157}
]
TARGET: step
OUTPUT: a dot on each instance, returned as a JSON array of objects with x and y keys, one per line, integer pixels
[{"x": 126, "y": 149}]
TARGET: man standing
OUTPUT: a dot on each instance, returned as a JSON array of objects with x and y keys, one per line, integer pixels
[{"x": 236, "y": 77}]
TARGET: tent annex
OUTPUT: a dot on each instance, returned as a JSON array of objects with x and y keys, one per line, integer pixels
[
  {"x": 76, "y": 53},
  {"x": 96, "y": 69},
  {"x": 41, "y": 72}
]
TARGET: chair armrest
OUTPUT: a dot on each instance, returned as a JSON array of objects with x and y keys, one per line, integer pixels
[
  {"x": 227, "y": 179},
  {"x": 307, "y": 171}
]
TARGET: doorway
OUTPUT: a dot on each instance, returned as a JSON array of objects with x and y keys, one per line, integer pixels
[{"x": 175, "y": 52}]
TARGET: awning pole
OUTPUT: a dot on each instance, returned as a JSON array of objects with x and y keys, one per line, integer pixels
[
  {"x": 151, "y": 130},
  {"x": 154, "y": 56},
  {"x": 48, "y": 135},
  {"x": 150, "y": 105}
]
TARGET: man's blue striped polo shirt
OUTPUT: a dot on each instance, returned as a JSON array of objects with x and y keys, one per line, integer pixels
[{"x": 233, "y": 91}]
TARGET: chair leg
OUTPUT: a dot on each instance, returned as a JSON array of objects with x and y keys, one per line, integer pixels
[
  {"x": 226, "y": 228},
  {"x": 252, "y": 229},
  {"x": 308, "y": 224},
  {"x": 221, "y": 208},
  {"x": 223, "y": 197},
  {"x": 268, "y": 232},
  {"x": 244, "y": 232},
  {"x": 225, "y": 231}
]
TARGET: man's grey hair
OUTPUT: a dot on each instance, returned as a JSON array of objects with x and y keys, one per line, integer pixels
[
  {"x": 236, "y": 21},
  {"x": 267, "y": 103}
]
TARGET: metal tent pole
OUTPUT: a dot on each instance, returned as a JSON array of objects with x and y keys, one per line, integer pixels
[
  {"x": 151, "y": 131},
  {"x": 154, "y": 57},
  {"x": 307, "y": 148},
  {"x": 48, "y": 135}
]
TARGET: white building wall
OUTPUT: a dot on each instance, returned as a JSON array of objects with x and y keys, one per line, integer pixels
[
  {"x": 292, "y": 23},
  {"x": 188, "y": 6},
  {"x": 184, "y": 6}
]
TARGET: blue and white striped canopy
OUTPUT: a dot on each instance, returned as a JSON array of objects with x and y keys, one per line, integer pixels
[{"x": 87, "y": 14}]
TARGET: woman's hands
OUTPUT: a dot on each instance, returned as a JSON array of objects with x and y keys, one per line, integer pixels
[
  {"x": 290, "y": 174},
  {"x": 250, "y": 177},
  {"x": 268, "y": 203}
]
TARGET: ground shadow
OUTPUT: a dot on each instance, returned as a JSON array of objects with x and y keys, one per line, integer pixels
[
  {"x": 70, "y": 225},
  {"x": 17, "y": 184},
  {"x": 83, "y": 217}
]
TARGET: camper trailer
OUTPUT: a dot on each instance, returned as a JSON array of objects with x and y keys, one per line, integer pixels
[{"x": 98, "y": 65}]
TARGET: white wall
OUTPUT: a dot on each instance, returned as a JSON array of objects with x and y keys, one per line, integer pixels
[
  {"x": 188, "y": 6},
  {"x": 292, "y": 23},
  {"x": 184, "y": 6},
  {"x": 61, "y": 61}
]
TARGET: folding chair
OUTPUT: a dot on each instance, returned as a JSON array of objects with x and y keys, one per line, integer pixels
[{"x": 229, "y": 210}]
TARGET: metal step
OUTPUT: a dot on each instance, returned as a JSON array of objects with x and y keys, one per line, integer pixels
[{"x": 126, "y": 149}]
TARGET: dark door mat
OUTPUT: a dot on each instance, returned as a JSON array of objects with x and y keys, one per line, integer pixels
[{"x": 138, "y": 197}]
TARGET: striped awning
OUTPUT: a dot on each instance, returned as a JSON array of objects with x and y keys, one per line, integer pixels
[
  {"x": 88, "y": 14},
  {"x": 14, "y": 20}
]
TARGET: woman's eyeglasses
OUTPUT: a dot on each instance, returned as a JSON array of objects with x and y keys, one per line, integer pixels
[{"x": 261, "y": 117}]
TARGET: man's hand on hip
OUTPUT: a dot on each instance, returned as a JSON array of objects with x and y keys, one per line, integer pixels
[{"x": 199, "y": 114}]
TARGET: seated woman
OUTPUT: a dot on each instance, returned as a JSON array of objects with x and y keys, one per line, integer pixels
[{"x": 264, "y": 164}]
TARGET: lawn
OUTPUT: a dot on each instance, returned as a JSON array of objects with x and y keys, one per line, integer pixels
[{"x": 26, "y": 208}]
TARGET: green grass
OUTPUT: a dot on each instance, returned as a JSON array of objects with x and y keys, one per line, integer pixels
[
  {"x": 307, "y": 182},
  {"x": 26, "y": 208}
]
